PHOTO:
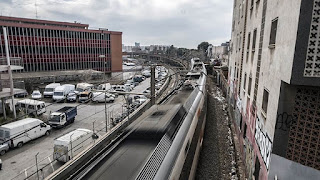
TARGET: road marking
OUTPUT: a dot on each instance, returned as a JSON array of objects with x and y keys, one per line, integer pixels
[
  {"x": 25, "y": 173},
  {"x": 50, "y": 163}
]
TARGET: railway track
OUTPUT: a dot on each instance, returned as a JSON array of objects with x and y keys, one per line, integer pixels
[{"x": 155, "y": 146}]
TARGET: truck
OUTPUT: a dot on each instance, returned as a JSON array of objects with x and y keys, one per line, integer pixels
[
  {"x": 85, "y": 96},
  {"x": 81, "y": 87},
  {"x": 49, "y": 89},
  {"x": 30, "y": 106},
  {"x": 19, "y": 132},
  {"x": 63, "y": 117},
  {"x": 61, "y": 92},
  {"x": 72, "y": 143}
]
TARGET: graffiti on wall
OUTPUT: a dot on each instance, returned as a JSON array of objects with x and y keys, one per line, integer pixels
[
  {"x": 264, "y": 143},
  {"x": 284, "y": 121}
]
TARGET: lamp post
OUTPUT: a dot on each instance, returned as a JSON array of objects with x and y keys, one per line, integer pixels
[
  {"x": 105, "y": 91},
  {"x": 37, "y": 165}
]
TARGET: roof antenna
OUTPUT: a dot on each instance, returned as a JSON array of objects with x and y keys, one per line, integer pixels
[{"x": 36, "y": 8}]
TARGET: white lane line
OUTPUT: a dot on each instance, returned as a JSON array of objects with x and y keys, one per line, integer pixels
[
  {"x": 26, "y": 173},
  {"x": 50, "y": 163}
]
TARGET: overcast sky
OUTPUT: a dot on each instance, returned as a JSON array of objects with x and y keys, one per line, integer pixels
[{"x": 183, "y": 23}]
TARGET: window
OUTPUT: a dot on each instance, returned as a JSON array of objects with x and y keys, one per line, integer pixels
[
  {"x": 240, "y": 41},
  {"x": 1, "y": 133},
  {"x": 273, "y": 33},
  {"x": 6, "y": 134},
  {"x": 249, "y": 85},
  {"x": 265, "y": 100},
  {"x": 233, "y": 26},
  {"x": 245, "y": 131},
  {"x": 245, "y": 81},
  {"x": 249, "y": 38},
  {"x": 240, "y": 12},
  {"x": 254, "y": 37}
]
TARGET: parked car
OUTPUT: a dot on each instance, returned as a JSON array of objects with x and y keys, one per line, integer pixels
[
  {"x": 4, "y": 147},
  {"x": 146, "y": 73},
  {"x": 130, "y": 64},
  {"x": 21, "y": 94},
  {"x": 36, "y": 94},
  {"x": 140, "y": 99},
  {"x": 72, "y": 97},
  {"x": 147, "y": 91},
  {"x": 85, "y": 96},
  {"x": 216, "y": 62}
]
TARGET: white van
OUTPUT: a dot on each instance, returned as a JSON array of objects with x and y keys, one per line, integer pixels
[
  {"x": 102, "y": 97},
  {"x": 83, "y": 87},
  {"x": 48, "y": 91},
  {"x": 104, "y": 87},
  {"x": 71, "y": 144},
  {"x": 61, "y": 92},
  {"x": 30, "y": 106},
  {"x": 19, "y": 132}
]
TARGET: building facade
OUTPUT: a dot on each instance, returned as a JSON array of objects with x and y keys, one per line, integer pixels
[
  {"x": 55, "y": 46},
  {"x": 274, "y": 86},
  {"x": 218, "y": 52}
]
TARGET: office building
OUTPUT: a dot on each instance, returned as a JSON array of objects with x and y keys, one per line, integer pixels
[{"x": 46, "y": 45}]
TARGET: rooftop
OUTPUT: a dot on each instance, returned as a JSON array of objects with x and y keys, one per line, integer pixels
[{"x": 42, "y": 22}]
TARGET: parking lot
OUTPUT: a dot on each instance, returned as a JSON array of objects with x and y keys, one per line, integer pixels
[{"x": 19, "y": 163}]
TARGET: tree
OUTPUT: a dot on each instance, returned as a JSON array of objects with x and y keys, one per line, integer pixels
[
  {"x": 203, "y": 46},
  {"x": 171, "y": 51}
]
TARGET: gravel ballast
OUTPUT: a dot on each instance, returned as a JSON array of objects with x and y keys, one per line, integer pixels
[{"x": 217, "y": 157}]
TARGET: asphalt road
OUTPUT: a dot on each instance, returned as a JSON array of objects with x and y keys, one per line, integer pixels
[{"x": 20, "y": 163}]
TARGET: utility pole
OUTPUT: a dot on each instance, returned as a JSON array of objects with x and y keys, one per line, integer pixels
[
  {"x": 152, "y": 85},
  {"x": 105, "y": 106},
  {"x": 9, "y": 70}
]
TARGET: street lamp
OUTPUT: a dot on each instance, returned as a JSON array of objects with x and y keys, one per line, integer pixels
[{"x": 37, "y": 165}]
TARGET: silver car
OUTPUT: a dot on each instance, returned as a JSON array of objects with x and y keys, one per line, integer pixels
[
  {"x": 4, "y": 148},
  {"x": 72, "y": 97}
]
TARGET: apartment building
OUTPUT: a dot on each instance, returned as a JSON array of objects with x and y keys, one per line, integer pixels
[
  {"x": 274, "y": 86},
  {"x": 46, "y": 45}
]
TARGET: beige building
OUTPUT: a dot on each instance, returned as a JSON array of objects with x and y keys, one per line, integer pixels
[{"x": 274, "y": 80}]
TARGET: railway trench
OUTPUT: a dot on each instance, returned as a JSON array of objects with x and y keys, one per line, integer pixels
[{"x": 217, "y": 156}]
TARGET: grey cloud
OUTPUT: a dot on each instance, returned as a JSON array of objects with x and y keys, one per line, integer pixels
[{"x": 190, "y": 23}]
